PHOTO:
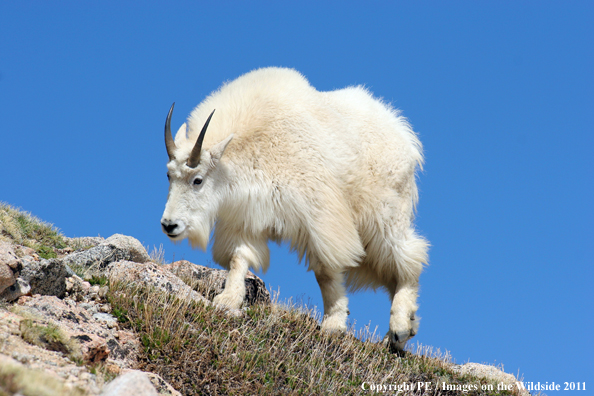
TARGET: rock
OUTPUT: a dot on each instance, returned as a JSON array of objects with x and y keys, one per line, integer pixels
[
  {"x": 135, "y": 251},
  {"x": 26, "y": 252},
  {"x": 162, "y": 386},
  {"x": 211, "y": 282},
  {"x": 96, "y": 351},
  {"x": 98, "y": 342},
  {"x": 24, "y": 380},
  {"x": 6, "y": 277},
  {"x": 20, "y": 288},
  {"x": 131, "y": 383},
  {"x": 106, "y": 318},
  {"x": 115, "y": 248},
  {"x": 491, "y": 372},
  {"x": 151, "y": 274},
  {"x": 84, "y": 242},
  {"x": 47, "y": 277},
  {"x": 9, "y": 265},
  {"x": 41, "y": 371},
  {"x": 9, "y": 257},
  {"x": 103, "y": 291},
  {"x": 74, "y": 284}
]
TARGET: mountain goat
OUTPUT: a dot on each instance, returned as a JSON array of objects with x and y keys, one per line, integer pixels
[{"x": 331, "y": 172}]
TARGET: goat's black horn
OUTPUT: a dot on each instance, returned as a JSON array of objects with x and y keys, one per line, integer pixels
[
  {"x": 169, "y": 143},
  {"x": 194, "y": 158}
]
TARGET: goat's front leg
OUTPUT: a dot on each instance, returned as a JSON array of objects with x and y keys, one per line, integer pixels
[
  {"x": 234, "y": 292},
  {"x": 335, "y": 300}
]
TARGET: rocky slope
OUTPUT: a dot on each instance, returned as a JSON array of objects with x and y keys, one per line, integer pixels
[{"x": 59, "y": 333}]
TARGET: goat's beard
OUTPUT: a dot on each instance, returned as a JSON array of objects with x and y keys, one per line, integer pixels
[{"x": 199, "y": 235}]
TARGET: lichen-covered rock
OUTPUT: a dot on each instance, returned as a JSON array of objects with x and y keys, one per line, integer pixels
[
  {"x": 78, "y": 320},
  {"x": 115, "y": 248},
  {"x": 8, "y": 256},
  {"x": 19, "y": 288},
  {"x": 84, "y": 242},
  {"x": 131, "y": 383},
  {"x": 40, "y": 371},
  {"x": 162, "y": 386},
  {"x": 131, "y": 246},
  {"x": 6, "y": 277},
  {"x": 491, "y": 372},
  {"x": 151, "y": 275},
  {"x": 47, "y": 296},
  {"x": 27, "y": 381},
  {"x": 9, "y": 265},
  {"x": 211, "y": 282},
  {"x": 47, "y": 277}
]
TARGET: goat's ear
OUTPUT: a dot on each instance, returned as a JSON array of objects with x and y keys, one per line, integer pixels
[
  {"x": 216, "y": 151},
  {"x": 182, "y": 132}
]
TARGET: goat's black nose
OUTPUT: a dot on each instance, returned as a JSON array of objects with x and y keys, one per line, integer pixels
[{"x": 168, "y": 226}]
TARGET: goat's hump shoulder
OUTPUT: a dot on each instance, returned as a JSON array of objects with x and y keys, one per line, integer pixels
[{"x": 248, "y": 103}]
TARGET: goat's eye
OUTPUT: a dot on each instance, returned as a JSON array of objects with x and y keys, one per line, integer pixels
[{"x": 197, "y": 181}]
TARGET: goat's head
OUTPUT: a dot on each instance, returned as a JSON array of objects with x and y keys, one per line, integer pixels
[{"x": 195, "y": 187}]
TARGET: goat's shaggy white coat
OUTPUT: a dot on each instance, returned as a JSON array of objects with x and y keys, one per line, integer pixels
[{"x": 331, "y": 172}]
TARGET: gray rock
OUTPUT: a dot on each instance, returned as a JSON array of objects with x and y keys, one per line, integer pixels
[
  {"x": 84, "y": 242},
  {"x": 97, "y": 341},
  {"x": 135, "y": 251},
  {"x": 47, "y": 277},
  {"x": 131, "y": 383},
  {"x": 115, "y": 248},
  {"x": 9, "y": 257},
  {"x": 13, "y": 292},
  {"x": 490, "y": 372},
  {"x": 105, "y": 318},
  {"x": 6, "y": 277},
  {"x": 162, "y": 386},
  {"x": 151, "y": 275},
  {"x": 10, "y": 265},
  {"x": 211, "y": 282}
]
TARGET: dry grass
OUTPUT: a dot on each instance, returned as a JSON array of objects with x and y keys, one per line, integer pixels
[
  {"x": 16, "y": 379},
  {"x": 157, "y": 255},
  {"x": 273, "y": 349},
  {"x": 50, "y": 337},
  {"x": 39, "y": 331}
]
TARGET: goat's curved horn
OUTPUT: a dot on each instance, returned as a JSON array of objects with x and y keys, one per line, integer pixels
[
  {"x": 194, "y": 158},
  {"x": 169, "y": 143}
]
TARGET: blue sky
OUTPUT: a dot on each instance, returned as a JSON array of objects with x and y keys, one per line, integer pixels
[{"x": 501, "y": 94}]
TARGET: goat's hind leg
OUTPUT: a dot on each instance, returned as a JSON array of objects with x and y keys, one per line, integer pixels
[
  {"x": 404, "y": 323},
  {"x": 409, "y": 255}
]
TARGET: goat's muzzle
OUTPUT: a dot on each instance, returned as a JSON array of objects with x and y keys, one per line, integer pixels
[{"x": 172, "y": 228}]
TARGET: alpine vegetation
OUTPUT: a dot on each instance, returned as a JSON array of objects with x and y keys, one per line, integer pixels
[{"x": 333, "y": 173}]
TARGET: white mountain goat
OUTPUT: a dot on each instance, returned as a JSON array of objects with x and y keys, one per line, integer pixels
[{"x": 331, "y": 172}]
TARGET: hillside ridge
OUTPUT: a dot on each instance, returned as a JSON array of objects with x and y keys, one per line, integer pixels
[{"x": 102, "y": 316}]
